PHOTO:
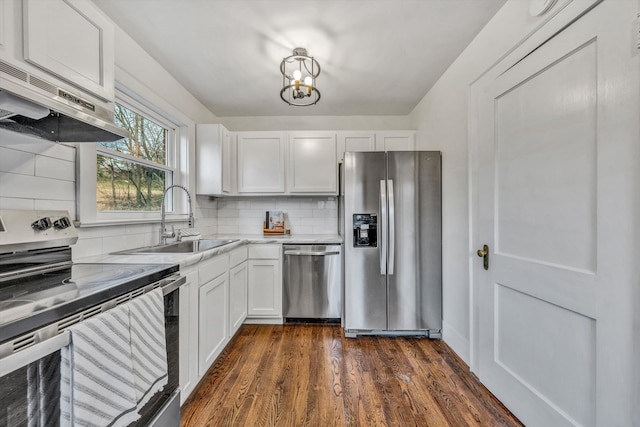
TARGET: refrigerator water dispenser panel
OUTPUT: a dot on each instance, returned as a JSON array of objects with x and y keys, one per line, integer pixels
[{"x": 365, "y": 230}]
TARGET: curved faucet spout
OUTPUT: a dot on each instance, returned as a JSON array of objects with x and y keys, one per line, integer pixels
[{"x": 163, "y": 232}]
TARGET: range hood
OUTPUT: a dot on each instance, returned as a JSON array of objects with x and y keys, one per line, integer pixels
[{"x": 29, "y": 105}]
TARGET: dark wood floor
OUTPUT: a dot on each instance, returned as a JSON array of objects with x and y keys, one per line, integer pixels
[{"x": 310, "y": 375}]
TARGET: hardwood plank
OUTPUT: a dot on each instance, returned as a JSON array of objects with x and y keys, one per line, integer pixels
[{"x": 311, "y": 375}]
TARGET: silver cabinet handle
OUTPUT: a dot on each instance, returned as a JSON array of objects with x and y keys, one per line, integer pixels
[
  {"x": 392, "y": 227},
  {"x": 381, "y": 228},
  {"x": 311, "y": 253}
]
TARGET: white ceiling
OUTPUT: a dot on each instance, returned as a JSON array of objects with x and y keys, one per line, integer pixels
[{"x": 378, "y": 57}]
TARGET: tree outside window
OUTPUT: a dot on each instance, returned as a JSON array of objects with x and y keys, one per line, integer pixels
[{"x": 132, "y": 173}]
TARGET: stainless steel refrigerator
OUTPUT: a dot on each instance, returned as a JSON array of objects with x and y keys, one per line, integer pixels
[{"x": 393, "y": 243}]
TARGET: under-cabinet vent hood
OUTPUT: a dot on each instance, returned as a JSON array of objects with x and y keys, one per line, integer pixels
[{"x": 30, "y": 105}]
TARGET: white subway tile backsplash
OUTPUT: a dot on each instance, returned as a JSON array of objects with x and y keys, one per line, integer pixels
[
  {"x": 49, "y": 167},
  {"x": 33, "y": 187},
  {"x": 86, "y": 248},
  {"x": 299, "y": 213},
  {"x": 286, "y": 204},
  {"x": 302, "y": 215},
  {"x": 321, "y": 213},
  {"x": 228, "y": 229},
  {"x": 58, "y": 205},
  {"x": 142, "y": 228},
  {"x": 301, "y": 229},
  {"x": 37, "y": 146},
  {"x": 263, "y": 204},
  {"x": 127, "y": 241},
  {"x": 16, "y": 203},
  {"x": 95, "y": 232},
  {"x": 251, "y": 213},
  {"x": 14, "y": 161},
  {"x": 228, "y": 213}
]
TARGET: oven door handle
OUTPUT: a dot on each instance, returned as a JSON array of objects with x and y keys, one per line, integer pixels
[
  {"x": 15, "y": 361},
  {"x": 172, "y": 283}
]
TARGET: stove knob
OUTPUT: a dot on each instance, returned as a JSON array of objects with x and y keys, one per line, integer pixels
[
  {"x": 42, "y": 224},
  {"x": 62, "y": 223}
]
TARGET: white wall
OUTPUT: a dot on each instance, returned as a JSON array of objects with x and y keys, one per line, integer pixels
[{"x": 441, "y": 123}]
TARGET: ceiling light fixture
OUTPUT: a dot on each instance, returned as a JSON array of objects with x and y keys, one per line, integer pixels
[{"x": 299, "y": 73}]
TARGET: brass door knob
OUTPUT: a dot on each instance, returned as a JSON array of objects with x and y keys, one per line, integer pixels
[{"x": 484, "y": 254}]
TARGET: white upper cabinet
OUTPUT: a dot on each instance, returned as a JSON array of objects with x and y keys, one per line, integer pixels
[
  {"x": 401, "y": 140},
  {"x": 73, "y": 40},
  {"x": 313, "y": 166},
  {"x": 214, "y": 159},
  {"x": 261, "y": 162},
  {"x": 355, "y": 141}
]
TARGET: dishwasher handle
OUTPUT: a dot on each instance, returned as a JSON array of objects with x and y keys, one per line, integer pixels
[{"x": 311, "y": 253}]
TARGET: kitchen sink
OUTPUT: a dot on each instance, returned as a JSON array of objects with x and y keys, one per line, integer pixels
[{"x": 186, "y": 247}]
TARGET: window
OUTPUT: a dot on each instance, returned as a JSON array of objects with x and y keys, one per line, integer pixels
[
  {"x": 132, "y": 174},
  {"x": 124, "y": 181}
]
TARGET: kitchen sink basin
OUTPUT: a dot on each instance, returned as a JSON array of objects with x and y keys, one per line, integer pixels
[{"x": 191, "y": 246}]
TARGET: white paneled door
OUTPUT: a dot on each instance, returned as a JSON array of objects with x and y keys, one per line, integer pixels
[{"x": 557, "y": 196}]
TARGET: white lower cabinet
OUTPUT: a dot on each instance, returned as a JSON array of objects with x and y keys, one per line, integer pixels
[
  {"x": 237, "y": 296},
  {"x": 219, "y": 295},
  {"x": 213, "y": 321},
  {"x": 265, "y": 283},
  {"x": 188, "y": 334}
]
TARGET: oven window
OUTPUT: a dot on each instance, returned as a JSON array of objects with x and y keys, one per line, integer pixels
[{"x": 22, "y": 386}]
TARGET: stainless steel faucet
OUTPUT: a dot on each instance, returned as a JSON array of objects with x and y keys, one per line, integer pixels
[{"x": 163, "y": 231}]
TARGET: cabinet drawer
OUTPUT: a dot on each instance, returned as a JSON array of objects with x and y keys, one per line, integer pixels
[
  {"x": 213, "y": 268},
  {"x": 237, "y": 256},
  {"x": 264, "y": 251}
]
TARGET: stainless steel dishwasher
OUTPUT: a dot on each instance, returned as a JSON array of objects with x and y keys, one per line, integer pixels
[{"x": 312, "y": 276}]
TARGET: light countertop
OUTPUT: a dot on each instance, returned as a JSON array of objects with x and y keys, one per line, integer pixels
[{"x": 185, "y": 260}]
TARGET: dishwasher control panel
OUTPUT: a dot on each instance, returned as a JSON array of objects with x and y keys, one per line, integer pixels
[{"x": 365, "y": 230}]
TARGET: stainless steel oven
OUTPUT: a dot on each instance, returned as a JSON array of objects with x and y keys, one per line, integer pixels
[{"x": 43, "y": 294}]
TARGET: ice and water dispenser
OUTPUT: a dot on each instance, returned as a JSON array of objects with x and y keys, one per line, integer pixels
[{"x": 365, "y": 230}]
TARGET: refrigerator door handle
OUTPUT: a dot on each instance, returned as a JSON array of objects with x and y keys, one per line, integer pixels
[
  {"x": 382, "y": 228},
  {"x": 392, "y": 227}
]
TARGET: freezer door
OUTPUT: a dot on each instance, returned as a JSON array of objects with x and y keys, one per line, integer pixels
[
  {"x": 365, "y": 294},
  {"x": 415, "y": 243}
]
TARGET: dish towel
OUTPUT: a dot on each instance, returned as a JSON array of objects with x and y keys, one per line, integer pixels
[
  {"x": 43, "y": 391},
  {"x": 96, "y": 384},
  {"x": 148, "y": 345}
]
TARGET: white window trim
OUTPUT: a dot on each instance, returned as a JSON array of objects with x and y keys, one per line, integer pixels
[{"x": 177, "y": 153}]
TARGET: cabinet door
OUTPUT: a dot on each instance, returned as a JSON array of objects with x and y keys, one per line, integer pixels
[
  {"x": 73, "y": 40},
  {"x": 213, "y": 159},
  {"x": 313, "y": 167},
  {"x": 260, "y": 162},
  {"x": 237, "y": 297},
  {"x": 213, "y": 321},
  {"x": 227, "y": 161},
  {"x": 355, "y": 141},
  {"x": 401, "y": 140},
  {"x": 265, "y": 288},
  {"x": 188, "y": 335}
]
